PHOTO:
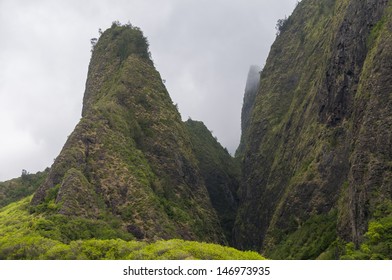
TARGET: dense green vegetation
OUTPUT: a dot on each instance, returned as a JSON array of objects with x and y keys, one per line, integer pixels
[
  {"x": 31, "y": 236},
  {"x": 377, "y": 243}
]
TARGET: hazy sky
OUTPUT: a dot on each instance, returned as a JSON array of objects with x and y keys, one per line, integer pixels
[{"x": 203, "y": 49}]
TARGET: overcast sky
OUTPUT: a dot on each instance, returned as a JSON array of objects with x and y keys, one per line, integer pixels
[{"x": 203, "y": 49}]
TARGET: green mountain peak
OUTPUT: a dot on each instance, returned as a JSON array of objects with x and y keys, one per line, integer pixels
[{"x": 130, "y": 158}]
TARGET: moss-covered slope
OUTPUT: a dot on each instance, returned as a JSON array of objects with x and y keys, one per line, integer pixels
[
  {"x": 319, "y": 139},
  {"x": 130, "y": 158}
]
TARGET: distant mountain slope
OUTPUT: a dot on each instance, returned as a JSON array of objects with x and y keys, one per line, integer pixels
[
  {"x": 251, "y": 89},
  {"x": 18, "y": 188},
  {"x": 318, "y": 151},
  {"x": 220, "y": 172}
]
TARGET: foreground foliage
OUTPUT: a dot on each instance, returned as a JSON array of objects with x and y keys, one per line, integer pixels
[
  {"x": 31, "y": 236},
  {"x": 377, "y": 244}
]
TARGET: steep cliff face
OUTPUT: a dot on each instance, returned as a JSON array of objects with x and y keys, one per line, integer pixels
[
  {"x": 130, "y": 158},
  {"x": 318, "y": 150}
]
